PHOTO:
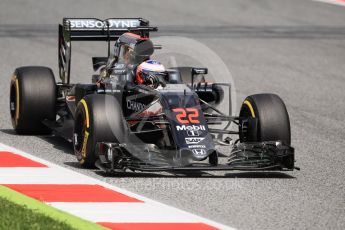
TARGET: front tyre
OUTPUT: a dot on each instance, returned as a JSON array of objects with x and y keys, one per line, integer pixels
[
  {"x": 272, "y": 120},
  {"x": 98, "y": 118}
]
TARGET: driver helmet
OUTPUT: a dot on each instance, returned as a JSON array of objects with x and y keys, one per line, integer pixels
[{"x": 150, "y": 72}]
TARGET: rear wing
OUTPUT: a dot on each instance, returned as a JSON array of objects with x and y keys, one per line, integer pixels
[{"x": 93, "y": 29}]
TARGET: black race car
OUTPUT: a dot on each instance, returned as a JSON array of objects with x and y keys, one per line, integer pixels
[{"x": 116, "y": 124}]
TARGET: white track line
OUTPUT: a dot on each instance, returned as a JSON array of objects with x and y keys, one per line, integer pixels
[
  {"x": 95, "y": 213},
  {"x": 335, "y": 2},
  {"x": 52, "y": 175},
  {"x": 126, "y": 212}
]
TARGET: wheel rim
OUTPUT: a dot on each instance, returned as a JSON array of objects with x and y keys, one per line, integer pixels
[
  {"x": 247, "y": 111},
  {"x": 79, "y": 134},
  {"x": 14, "y": 102}
]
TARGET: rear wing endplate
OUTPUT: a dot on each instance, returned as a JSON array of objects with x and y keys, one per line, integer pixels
[{"x": 93, "y": 29}]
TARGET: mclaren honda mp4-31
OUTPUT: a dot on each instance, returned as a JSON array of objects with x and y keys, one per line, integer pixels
[{"x": 116, "y": 125}]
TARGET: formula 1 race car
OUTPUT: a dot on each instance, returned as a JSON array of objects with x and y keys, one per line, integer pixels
[{"x": 115, "y": 124}]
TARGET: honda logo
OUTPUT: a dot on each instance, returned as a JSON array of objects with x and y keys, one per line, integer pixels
[{"x": 199, "y": 152}]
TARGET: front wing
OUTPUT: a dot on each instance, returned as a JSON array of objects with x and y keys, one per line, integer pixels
[{"x": 258, "y": 156}]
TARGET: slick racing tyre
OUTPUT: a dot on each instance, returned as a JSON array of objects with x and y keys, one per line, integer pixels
[
  {"x": 272, "y": 120},
  {"x": 98, "y": 118},
  {"x": 32, "y": 99}
]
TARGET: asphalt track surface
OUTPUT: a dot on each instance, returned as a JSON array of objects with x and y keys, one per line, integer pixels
[{"x": 293, "y": 48}]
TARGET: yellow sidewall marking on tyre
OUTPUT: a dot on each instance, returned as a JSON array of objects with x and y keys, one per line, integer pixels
[
  {"x": 83, "y": 149},
  {"x": 247, "y": 103},
  {"x": 86, "y": 134},
  {"x": 86, "y": 112},
  {"x": 17, "y": 100}
]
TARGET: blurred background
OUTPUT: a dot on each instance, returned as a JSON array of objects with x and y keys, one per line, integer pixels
[{"x": 294, "y": 48}]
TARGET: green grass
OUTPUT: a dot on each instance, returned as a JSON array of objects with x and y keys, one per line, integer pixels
[
  {"x": 21, "y": 212},
  {"x": 14, "y": 216}
]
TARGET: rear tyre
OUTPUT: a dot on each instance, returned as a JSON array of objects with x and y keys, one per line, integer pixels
[
  {"x": 32, "y": 99},
  {"x": 98, "y": 118},
  {"x": 273, "y": 123}
]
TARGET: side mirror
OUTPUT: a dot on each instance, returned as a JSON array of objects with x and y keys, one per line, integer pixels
[
  {"x": 196, "y": 71},
  {"x": 98, "y": 62}
]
